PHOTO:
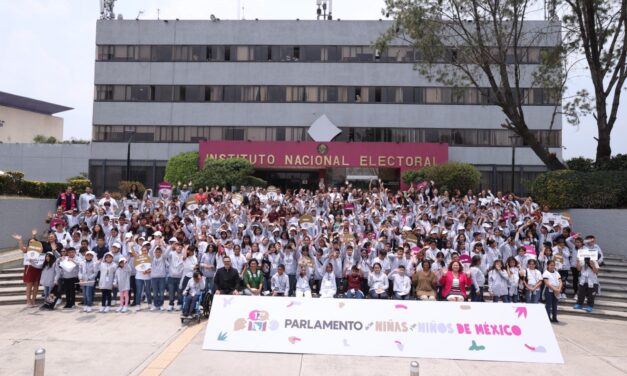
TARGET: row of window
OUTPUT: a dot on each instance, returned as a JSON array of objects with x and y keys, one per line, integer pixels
[
  {"x": 191, "y": 134},
  {"x": 314, "y": 94},
  {"x": 307, "y": 53}
]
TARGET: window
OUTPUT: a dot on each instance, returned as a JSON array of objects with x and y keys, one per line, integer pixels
[
  {"x": 242, "y": 53},
  {"x": 123, "y": 53},
  {"x": 138, "y": 93},
  {"x": 295, "y": 94},
  {"x": 313, "y": 53},
  {"x": 163, "y": 93},
  {"x": 161, "y": 53},
  {"x": 311, "y": 93},
  {"x": 144, "y": 53},
  {"x": 232, "y": 93},
  {"x": 433, "y": 95},
  {"x": 181, "y": 53},
  {"x": 276, "y": 94},
  {"x": 198, "y": 53},
  {"x": 233, "y": 134},
  {"x": 105, "y": 52}
]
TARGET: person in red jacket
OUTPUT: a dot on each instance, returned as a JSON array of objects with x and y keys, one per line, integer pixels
[{"x": 454, "y": 283}]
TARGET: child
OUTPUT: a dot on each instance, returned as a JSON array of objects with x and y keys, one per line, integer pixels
[
  {"x": 122, "y": 281},
  {"x": 328, "y": 286},
  {"x": 48, "y": 273},
  {"x": 553, "y": 290},
  {"x": 105, "y": 284},
  {"x": 192, "y": 293},
  {"x": 87, "y": 275},
  {"x": 280, "y": 282},
  {"x": 401, "y": 283},
  {"x": 498, "y": 282},
  {"x": 588, "y": 283},
  {"x": 378, "y": 282},
  {"x": 478, "y": 279},
  {"x": 533, "y": 282},
  {"x": 303, "y": 290},
  {"x": 514, "y": 279},
  {"x": 157, "y": 276},
  {"x": 354, "y": 284}
]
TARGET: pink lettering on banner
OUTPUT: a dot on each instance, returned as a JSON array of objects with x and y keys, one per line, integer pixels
[{"x": 463, "y": 329}]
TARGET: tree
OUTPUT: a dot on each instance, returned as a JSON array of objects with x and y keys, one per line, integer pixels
[
  {"x": 447, "y": 176},
  {"x": 483, "y": 43},
  {"x": 227, "y": 172},
  {"x": 596, "y": 29},
  {"x": 182, "y": 167}
]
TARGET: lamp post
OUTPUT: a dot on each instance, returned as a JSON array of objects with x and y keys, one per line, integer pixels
[
  {"x": 128, "y": 156},
  {"x": 514, "y": 138}
]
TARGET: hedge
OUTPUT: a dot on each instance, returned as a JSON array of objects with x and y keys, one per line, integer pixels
[
  {"x": 182, "y": 167},
  {"x": 12, "y": 183},
  {"x": 578, "y": 189},
  {"x": 448, "y": 176}
]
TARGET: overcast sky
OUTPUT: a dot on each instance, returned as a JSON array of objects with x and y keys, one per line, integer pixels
[{"x": 48, "y": 51}]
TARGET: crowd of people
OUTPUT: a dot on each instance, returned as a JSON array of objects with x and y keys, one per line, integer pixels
[{"x": 333, "y": 242}]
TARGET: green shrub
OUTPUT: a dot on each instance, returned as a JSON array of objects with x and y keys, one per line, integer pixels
[
  {"x": 13, "y": 183},
  {"x": 448, "y": 176},
  {"x": 576, "y": 189},
  {"x": 182, "y": 167},
  {"x": 226, "y": 173},
  {"x": 580, "y": 164}
]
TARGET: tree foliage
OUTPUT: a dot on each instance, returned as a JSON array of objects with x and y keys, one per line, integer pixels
[
  {"x": 184, "y": 168},
  {"x": 41, "y": 139},
  {"x": 596, "y": 30},
  {"x": 448, "y": 176},
  {"x": 483, "y": 44}
]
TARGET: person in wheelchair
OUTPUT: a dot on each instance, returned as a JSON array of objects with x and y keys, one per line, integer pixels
[{"x": 192, "y": 294}]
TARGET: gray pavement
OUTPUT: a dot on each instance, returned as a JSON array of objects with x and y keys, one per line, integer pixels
[
  {"x": 116, "y": 344},
  {"x": 606, "y": 356}
]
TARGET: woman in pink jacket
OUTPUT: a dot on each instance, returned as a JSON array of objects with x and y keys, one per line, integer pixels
[{"x": 454, "y": 283}]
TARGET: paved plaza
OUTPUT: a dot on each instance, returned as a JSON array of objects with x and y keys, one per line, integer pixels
[{"x": 151, "y": 343}]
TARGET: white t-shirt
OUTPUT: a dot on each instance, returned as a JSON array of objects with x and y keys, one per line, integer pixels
[
  {"x": 533, "y": 276},
  {"x": 554, "y": 278}
]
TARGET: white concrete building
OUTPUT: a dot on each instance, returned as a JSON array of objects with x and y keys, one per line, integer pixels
[{"x": 170, "y": 84}]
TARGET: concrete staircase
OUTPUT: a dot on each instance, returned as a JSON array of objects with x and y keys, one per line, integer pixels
[{"x": 611, "y": 303}]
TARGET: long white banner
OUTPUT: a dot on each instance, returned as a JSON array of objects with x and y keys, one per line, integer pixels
[{"x": 475, "y": 331}]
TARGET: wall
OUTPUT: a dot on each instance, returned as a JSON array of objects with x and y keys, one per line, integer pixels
[
  {"x": 46, "y": 162},
  {"x": 22, "y": 126},
  {"x": 607, "y": 225},
  {"x": 21, "y": 215}
]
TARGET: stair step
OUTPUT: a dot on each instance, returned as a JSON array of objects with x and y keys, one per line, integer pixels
[
  {"x": 11, "y": 276},
  {"x": 614, "y": 269},
  {"x": 12, "y": 270},
  {"x": 596, "y": 312},
  {"x": 612, "y": 282},
  {"x": 609, "y": 305}
]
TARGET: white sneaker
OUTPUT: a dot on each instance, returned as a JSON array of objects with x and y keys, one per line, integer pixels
[
  {"x": 170, "y": 308},
  {"x": 152, "y": 308},
  {"x": 138, "y": 308},
  {"x": 114, "y": 302},
  {"x": 102, "y": 309},
  {"x": 89, "y": 309},
  {"x": 161, "y": 308},
  {"x": 178, "y": 308},
  {"x": 106, "y": 309},
  {"x": 59, "y": 302},
  {"x": 124, "y": 309},
  {"x": 85, "y": 309},
  {"x": 119, "y": 309}
]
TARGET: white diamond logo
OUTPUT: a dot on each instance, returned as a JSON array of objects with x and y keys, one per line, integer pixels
[{"x": 323, "y": 129}]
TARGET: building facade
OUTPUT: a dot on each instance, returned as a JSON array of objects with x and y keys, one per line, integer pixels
[
  {"x": 167, "y": 86},
  {"x": 22, "y": 118}
]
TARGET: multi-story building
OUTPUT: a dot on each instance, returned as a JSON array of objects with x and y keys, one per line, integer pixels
[
  {"x": 22, "y": 119},
  {"x": 168, "y": 85}
]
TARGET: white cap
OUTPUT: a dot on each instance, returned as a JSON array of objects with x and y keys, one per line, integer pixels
[
  {"x": 116, "y": 245},
  {"x": 157, "y": 233},
  {"x": 173, "y": 240},
  {"x": 486, "y": 225},
  {"x": 122, "y": 259},
  {"x": 461, "y": 227},
  {"x": 128, "y": 235},
  {"x": 406, "y": 228},
  {"x": 145, "y": 243},
  {"x": 90, "y": 253}
]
